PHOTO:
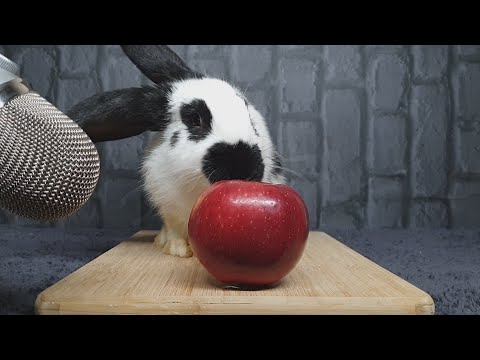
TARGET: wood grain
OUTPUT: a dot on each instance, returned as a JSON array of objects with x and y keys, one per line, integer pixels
[{"x": 136, "y": 278}]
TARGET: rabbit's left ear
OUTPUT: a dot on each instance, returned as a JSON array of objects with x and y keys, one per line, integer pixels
[{"x": 159, "y": 63}]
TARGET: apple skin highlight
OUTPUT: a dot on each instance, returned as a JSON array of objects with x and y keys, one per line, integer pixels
[{"x": 248, "y": 233}]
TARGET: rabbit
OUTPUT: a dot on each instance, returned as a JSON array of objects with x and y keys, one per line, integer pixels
[{"x": 201, "y": 130}]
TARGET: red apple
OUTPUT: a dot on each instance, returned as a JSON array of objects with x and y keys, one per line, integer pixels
[{"x": 249, "y": 233}]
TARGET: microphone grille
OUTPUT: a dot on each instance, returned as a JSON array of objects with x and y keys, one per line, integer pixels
[{"x": 49, "y": 167}]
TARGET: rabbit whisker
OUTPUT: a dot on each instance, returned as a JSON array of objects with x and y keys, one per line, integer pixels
[
  {"x": 198, "y": 178},
  {"x": 293, "y": 172}
]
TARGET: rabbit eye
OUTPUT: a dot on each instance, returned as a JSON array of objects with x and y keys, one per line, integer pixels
[
  {"x": 193, "y": 120},
  {"x": 198, "y": 119}
]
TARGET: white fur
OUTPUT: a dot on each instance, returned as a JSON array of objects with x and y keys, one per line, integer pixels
[{"x": 173, "y": 177}]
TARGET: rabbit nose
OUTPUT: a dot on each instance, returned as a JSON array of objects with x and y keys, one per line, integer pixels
[{"x": 239, "y": 161}]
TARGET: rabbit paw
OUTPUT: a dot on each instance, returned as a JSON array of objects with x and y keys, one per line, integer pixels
[{"x": 173, "y": 245}]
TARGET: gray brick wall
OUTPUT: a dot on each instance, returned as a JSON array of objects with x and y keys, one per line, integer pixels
[{"x": 375, "y": 136}]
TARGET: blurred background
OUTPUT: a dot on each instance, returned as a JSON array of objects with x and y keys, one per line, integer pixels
[
  {"x": 378, "y": 136},
  {"x": 383, "y": 142}
]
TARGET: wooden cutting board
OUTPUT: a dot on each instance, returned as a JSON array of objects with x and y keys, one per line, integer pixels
[{"x": 136, "y": 278}]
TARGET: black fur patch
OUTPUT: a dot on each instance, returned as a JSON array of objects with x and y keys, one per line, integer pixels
[
  {"x": 159, "y": 63},
  {"x": 198, "y": 119},
  {"x": 123, "y": 113},
  {"x": 277, "y": 164},
  {"x": 240, "y": 161},
  {"x": 174, "y": 138}
]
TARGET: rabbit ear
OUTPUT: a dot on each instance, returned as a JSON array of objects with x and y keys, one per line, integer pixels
[
  {"x": 159, "y": 63},
  {"x": 120, "y": 114}
]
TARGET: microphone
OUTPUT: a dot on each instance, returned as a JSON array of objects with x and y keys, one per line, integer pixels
[{"x": 49, "y": 167}]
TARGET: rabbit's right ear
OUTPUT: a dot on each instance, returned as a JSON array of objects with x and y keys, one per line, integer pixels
[
  {"x": 123, "y": 113},
  {"x": 159, "y": 63}
]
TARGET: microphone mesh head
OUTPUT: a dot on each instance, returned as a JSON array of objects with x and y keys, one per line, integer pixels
[{"x": 49, "y": 167}]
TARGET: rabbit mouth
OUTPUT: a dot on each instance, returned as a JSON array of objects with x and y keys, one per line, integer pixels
[{"x": 239, "y": 161}]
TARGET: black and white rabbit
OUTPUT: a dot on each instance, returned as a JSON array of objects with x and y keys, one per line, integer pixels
[{"x": 202, "y": 130}]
